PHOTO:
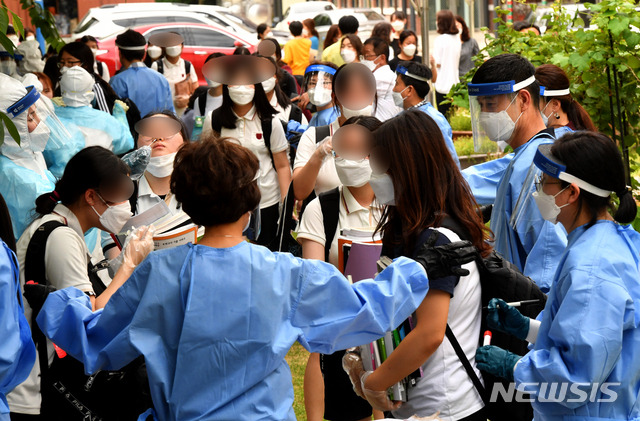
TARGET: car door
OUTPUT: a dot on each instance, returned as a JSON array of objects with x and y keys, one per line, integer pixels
[{"x": 205, "y": 41}]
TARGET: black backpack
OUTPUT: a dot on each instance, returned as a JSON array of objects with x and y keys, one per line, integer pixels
[
  {"x": 67, "y": 393},
  {"x": 187, "y": 67},
  {"x": 499, "y": 278}
]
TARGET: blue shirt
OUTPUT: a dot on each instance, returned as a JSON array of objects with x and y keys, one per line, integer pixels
[
  {"x": 324, "y": 117},
  {"x": 590, "y": 330},
  {"x": 17, "y": 352},
  {"x": 532, "y": 244},
  {"x": 148, "y": 89},
  {"x": 214, "y": 325},
  {"x": 315, "y": 42},
  {"x": 444, "y": 125},
  {"x": 483, "y": 178}
]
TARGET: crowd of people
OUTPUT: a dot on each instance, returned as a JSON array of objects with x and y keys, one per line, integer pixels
[{"x": 284, "y": 150}]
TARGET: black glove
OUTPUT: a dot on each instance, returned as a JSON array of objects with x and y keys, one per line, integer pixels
[{"x": 445, "y": 260}]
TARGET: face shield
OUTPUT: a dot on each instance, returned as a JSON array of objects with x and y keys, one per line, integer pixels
[
  {"x": 318, "y": 80},
  {"x": 355, "y": 88},
  {"x": 545, "y": 169},
  {"x": 44, "y": 127},
  {"x": 548, "y": 95},
  {"x": 488, "y": 104}
]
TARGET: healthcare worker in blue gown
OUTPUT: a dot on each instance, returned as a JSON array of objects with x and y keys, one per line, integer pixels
[
  {"x": 74, "y": 106},
  {"x": 215, "y": 320},
  {"x": 503, "y": 99},
  {"x": 17, "y": 352},
  {"x": 588, "y": 338},
  {"x": 24, "y": 172}
]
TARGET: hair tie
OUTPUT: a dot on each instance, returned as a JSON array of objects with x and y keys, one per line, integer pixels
[
  {"x": 54, "y": 196},
  {"x": 627, "y": 190}
]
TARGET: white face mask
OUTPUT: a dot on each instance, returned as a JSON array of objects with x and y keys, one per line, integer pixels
[
  {"x": 174, "y": 51},
  {"x": 397, "y": 25},
  {"x": 39, "y": 137},
  {"x": 161, "y": 166},
  {"x": 366, "y": 111},
  {"x": 114, "y": 217},
  {"x": 371, "y": 64},
  {"x": 305, "y": 32},
  {"x": 94, "y": 51},
  {"x": 409, "y": 50},
  {"x": 382, "y": 186},
  {"x": 398, "y": 99},
  {"x": 319, "y": 96},
  {"x": 269, "y": 84},
  {"x": 353, "y": 173},
  {"x": 242, "y": 95},
  {"x": 544, "y": 117},
  {"x": 348, "y": 55},
  {"x": 547, "y": 205},
  {"x": 154, "y": 51},
  {"x": 8, "y": 67},
  {"x": 498, "y": 126}
]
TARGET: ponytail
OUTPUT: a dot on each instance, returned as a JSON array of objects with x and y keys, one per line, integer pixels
[
  {"x": 627, "y": 208},
  {"x": 45, "y": 203},
  {"x": 577, "y": 115}
]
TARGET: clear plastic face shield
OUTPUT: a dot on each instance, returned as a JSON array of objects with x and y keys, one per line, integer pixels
[
  {"x": 45, "y": 129},
  {"x": 545, "y": 169},
  {"x": 318, "y": 80},
  {"x": 355, "y": 88},
  {"x": 493, "y": 115},
  {"x": 547, "y": 95}
]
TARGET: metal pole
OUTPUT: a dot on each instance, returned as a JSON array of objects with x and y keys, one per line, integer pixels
[
  {"x": 472, "y": 17},
  {"x": 424, "y": 20}
]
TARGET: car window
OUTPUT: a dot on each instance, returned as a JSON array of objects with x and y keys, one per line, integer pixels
[
  {"x": 203, "y": 37},
  {"x": 371, "y": 15},
  {"x": 152, "y": 20},
  {"x": 322, "y": 20},
  {"x": 86, "y": 25}
]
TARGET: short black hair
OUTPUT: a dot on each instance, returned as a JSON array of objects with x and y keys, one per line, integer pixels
[
  {"x": 523, "y": 24},
  {"x": 295, "y": 28},
  {"x": 348, "y": 25},
  {"x": 380, "y": 47},
  {"x": 213, "y": 55},
  {"x": 130, "y": 38},
  {"x": 398, "y": 15},
  {"x": 261, "y": 28},
  {"x": 418, "y": 69},
  {"x": 505, "y": 67}
]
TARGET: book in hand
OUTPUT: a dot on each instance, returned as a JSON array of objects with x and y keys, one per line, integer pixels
[
  {"x": 366, "y": 235},
  {"x": 171, "y": 230}
]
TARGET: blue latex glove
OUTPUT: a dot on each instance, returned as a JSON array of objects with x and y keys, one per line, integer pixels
[
  {"x": 496, "y": 361},
  {"x": 507, "y": 319}
]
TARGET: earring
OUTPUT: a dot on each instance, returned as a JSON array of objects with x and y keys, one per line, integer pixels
[{"x": 557, "y": 116}]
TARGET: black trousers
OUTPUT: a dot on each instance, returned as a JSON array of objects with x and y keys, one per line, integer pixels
[
  {"x": 443, "y": 108},
  {"x": 269, "y": 226}
]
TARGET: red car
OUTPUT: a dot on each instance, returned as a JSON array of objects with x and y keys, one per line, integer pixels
[{"x": 200, "y": 40}]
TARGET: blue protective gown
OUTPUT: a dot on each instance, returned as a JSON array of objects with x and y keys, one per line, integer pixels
[
  {"x": 148, "y": 89},
  {"x": 324, "y": 117},
  {"x": 58, "y": 157},
  {"x": 17, "y": 352},
  {"x": 561, "y": 131},
  {"x": 102, "y": 127},
  {"x": 483, "y": 178},
  {"x": 535, "y": 246},
  {"x": 21, "y": 187},
  {"x": 214, "y": 325},
  {"x": 445, "y": 128},
  {"x": 590, "y": 330}
]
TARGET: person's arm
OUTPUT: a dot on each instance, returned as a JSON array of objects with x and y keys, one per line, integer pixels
[
  {"x": 281, "y": 161},
  {"x": 434, "y": 69},
  {"x": 483, "y": 178},
  {"x": 306, "y": 173},
  {"x": 418, "y": 345},
  {"x": 313, "y": 389}
]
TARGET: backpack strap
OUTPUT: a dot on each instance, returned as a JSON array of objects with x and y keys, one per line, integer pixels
[
  {"x": 160, "y": 66},
  {"x": 133, "y": 200},
  {"x": 187, "y": 68},
  {"x": 100, "y": 68},
  {"x": 267, "y": 128},
  {"x": 330, "y": 205},
  {"x": 295, "y": 113},
  {"x": 322, "y": 132},
  {"x": 202, "y": 102},
  {"x": 467, "y": 365}
]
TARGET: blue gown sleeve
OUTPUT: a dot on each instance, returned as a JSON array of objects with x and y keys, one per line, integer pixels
[
  {"x": 17, "y": 352},
  {"x": 168, "y": 97},
  {"x": 582, "y": 341},
  {"x": 483, "y": 179},
  {"x": 122, "y": 139},
  {"x": 100, "y": 339},
  {"x": 334, "y": 315},
  {"x": 118, "y": 86}
]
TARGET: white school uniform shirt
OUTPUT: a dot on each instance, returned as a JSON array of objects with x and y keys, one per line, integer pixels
[
  {"x": 175, "y": 72},
  {"x": 147, "y": 198},
  {"x": 327, "y": 176},
  {"x": 385, "y": 81},
  {"x": 66, "y": 264},
  {"x": 447, "y": 55},
  {"x": 445, "y": 385},
  {"x": 213, "y": 102},
  {"x": 352, "y": 215},
  {"x": 284, "y": 114},
  {"x": 248, "y": 131}
]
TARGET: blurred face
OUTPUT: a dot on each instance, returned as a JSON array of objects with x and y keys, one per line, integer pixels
[
  {"x": 266, "y": 33},
  {"x": 346, "y": 43},
  {"x": 356, "y": 95},
  {"x": 162, "y": 146},
  {"x": 67, "y": 60},
  {"x": 353, "y": 143},
  {"x": 32, "y": 118},
  {"x": 410, "y": 40},
  {"x": 92, "y": 44},
  {"x": 369, "y": 53}
]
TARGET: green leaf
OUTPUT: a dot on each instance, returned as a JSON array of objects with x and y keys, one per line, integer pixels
[
  {"x": 633, "y": 62},
  {"x": 593, "y": 92},
  {"x": 8, "y": 123},
  {"x": 7, "y": 43},
  {"x": 17, "y": 24},
  {"x": 4, "y": 20},
  {"x": 616, "y": 26}
]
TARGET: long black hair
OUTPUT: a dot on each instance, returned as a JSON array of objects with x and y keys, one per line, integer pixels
[
  {"x": 283, "y": 100},
  {"x": 263, "y": 108},
  {"x": 92, "y": 168},
  {"x": 595, "y": 158}
]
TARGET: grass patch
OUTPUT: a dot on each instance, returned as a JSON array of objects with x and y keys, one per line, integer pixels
[{"x": 297, "y": 360}]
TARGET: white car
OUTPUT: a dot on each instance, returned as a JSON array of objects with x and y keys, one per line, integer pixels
[
  {"x": 302, "y": 11},
  {"x": 105, "y": 21},
  {"x": 367, "y": 19}
]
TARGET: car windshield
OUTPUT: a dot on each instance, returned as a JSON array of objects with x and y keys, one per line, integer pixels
[{"x": 243, "y": 23}]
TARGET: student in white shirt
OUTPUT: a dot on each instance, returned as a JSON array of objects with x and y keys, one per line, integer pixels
[
  {"x": 414, "y": 171},
  {"x": 446, "y": 53},
  {"x": 354, "y": 94},
  {"x": 93, "y": 192},
  {"x": 376, "y": 58},
  {"x": 213, "y": 97},
  {"x": 333, "y": 398},
  {"x": 245, "y": 111}
]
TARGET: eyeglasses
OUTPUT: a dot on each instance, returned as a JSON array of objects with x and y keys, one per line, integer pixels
[
  {"x": 541, "y": 181},
  {"x": 32, "y": 116},
  {"x": 69, "y": 63}
]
